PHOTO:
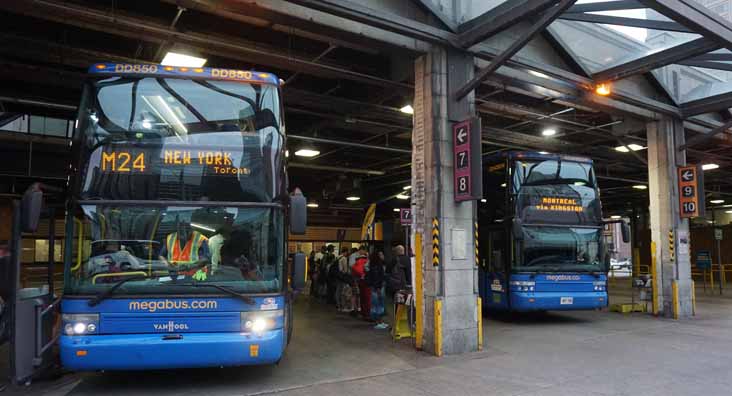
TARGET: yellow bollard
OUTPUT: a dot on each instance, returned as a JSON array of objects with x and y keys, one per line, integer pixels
[
  {"x": 693, "y": 298},
  {"x": 654, "y": 278},
  {"x": 418, "y": 292},
  {"x": 438, "y": 328},
  {"x": 480, "y": 324},
  {"x": 675, "y": 298}
]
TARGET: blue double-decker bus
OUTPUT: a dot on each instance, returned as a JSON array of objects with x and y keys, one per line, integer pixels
[
  {"x": 177, "y": 223},
  {"x": 541, "y": 234}
]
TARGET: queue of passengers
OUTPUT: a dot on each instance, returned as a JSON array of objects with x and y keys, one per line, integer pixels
[{"x": 356, "y": 283}]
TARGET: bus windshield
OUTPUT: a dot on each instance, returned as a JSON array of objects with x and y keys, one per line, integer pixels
[
  {"x": 168, "y": 247},
  {"x": 559, "y": 249},
  {"x": 556, "y": 192},
  {"x": 156, "y": 138}
]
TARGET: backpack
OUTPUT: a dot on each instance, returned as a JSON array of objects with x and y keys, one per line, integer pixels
[{"x": 359, "y": 269}]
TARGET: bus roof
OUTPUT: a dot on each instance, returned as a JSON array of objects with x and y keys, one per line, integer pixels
[
  {"x": 512, "y": 155},
  {"x": 209, "y": 73}
]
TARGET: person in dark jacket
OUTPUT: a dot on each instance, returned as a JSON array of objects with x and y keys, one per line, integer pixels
[{"x": 376, "y": 280}]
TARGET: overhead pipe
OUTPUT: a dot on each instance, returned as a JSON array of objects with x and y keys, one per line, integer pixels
[
  {"x": 336, "y": 169},
  {"x": 352, "y": 144}
]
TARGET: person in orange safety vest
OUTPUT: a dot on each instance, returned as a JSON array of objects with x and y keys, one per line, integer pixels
[{"x": 188, "y": 252}]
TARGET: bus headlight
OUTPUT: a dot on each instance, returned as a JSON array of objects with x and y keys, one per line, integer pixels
[
  {"x": 80, "y": 324},
  {"x": 599, "y": 286},
  {"x": 261, "y": 321}
]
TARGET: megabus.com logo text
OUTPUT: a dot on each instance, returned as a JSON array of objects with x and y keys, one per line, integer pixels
[{"x": 165, "y": 305}]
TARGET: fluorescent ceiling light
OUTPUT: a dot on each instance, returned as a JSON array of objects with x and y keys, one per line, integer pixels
[
  {"x": 549, "y": 132},
  {"x": 353, "y": 198},
  {"x": 397, "y": 210},
  {"x": 728, "y": 211},
  {"x": 626, "y": 149},
  {"x": 716, "y": 201},
  {"x": 307, "y": 153},
  {"x": 579, "y": 183},
  {"x": 313, "y": 205},
  {"x": 402, "y": 196},
  {"x": 538, "y": 74},
  {"x": 543, "y": 152},
  {"x": 408, "y": 109},
  {"x": 202, "y": 227},
  {"x": 640, "y": 187},
  {"x": 484, "y": 200},
  {"x": 176, "y": 59},
  {"x": 614, "y": 217},
  {"x": 407, "y": 187},
  {"x": 710, "y": 166},
  {"x": 503, "y": 185}
]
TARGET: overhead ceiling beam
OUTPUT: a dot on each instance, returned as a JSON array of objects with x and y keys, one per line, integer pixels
[
  {"x": 499, "y": 18},
  {"x": 229, "y": 47},
  {"x": 430, "y": 6},
  {"x": 695, "y": 16},
  {"x": 607, "y": 6},
  {"x": 624, "y": 21},
  {"x": 707, "y": 65},
  {"x": 378, "y": 18},
  {"x": 658, "y": 59},
  {"x": 548, "y": 17},
  {"x": 700, "y": 139},
  {"x": 709, "y": 104},
  {"x": 723, "y": 57},
  {"x": 245, "y": 13},
  {"x": 413, "y": 35}
]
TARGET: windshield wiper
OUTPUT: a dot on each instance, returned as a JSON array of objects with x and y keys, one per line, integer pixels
[
  {"x": 107, "y": 293},
  {"x": 224, "y": 289}
]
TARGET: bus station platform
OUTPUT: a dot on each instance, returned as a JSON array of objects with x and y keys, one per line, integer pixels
[{"x": 584, "y": 353}]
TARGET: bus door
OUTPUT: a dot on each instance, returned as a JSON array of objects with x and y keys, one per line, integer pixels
[
  {"x": 496, "y": 280},
  {"x": 33, "y": 304}
]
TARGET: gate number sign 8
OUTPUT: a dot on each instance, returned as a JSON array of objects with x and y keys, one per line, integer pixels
[{"x": 463, "y": 184}]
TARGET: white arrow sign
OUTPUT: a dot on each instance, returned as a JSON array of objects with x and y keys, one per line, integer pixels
[
  {"x": 688, "y": 175},
  {"x": 461, "y": 135}
]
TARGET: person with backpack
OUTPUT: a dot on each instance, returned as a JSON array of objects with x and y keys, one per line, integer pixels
[
  {"x": 359, "y": 269},
  {"x": 376, "y": 279},
  {"x": 344, "y": 292},
  {"x": 330, "y": 269}
]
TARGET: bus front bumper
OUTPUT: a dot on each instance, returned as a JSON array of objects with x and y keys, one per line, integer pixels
[
  {"x": 161, "y": 351},
  {"x": 558, "y": 301}
]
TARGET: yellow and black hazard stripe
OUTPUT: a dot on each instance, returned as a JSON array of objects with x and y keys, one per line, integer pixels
[
  {"x": 435, "y": 242},
  {"x": 477, "y": 254},
  {"x": 671, "y": 244}
]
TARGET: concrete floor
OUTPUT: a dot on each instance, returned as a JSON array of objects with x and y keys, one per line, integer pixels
[{"x": 580, "y": 353}]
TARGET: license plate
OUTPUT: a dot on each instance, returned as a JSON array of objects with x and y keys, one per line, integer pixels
[{"x": 566, "y": 300}]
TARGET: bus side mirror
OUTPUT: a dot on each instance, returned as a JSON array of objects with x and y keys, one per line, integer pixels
[
  {"x": 298, "y": 271},
  {"x": 625, "y": 232},
  {"x": 298, "y": 213},
  {"x": 30, "y": 209}
]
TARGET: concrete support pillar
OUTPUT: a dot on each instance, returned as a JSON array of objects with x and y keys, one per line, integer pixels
[
  {"x": 452, "y": 281},
  {"x": 673, "y": 263}
]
